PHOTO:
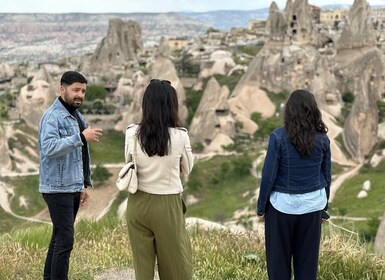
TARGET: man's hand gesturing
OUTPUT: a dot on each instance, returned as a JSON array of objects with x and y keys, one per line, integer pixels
[{"x": 92, "y": 134}]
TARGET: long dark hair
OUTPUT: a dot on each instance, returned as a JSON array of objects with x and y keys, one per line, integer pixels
[
  {"x": 302, "y": 120},
  {"x": 159, "y": 113}
]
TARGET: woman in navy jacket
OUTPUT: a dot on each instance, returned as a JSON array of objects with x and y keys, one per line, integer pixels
[{"x": 295, "y": 188}]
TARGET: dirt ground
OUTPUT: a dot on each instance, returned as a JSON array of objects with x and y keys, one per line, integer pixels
[{"x": 100, "y": 199}]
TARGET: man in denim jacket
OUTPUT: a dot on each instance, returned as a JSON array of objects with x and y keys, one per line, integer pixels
[{"x": 64, "y": 168}]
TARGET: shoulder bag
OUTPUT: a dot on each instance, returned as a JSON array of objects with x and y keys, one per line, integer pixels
[{"x": 127, "y": 177}]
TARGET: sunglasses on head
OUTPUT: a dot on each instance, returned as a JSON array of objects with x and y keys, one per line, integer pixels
[{"x": 162, "y": 81}]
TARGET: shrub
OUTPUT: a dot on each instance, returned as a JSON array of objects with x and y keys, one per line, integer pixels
[
  {"x": 100, "y": 173},
  {"x": 348, "y": 97},
  {"x": 95, "y": 92}
]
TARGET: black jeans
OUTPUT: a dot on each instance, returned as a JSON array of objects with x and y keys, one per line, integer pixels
[
  {"x": 63, "y": 208},
  {"x": 292, "y": 238}
]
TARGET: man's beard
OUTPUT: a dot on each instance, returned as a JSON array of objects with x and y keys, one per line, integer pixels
[{"x": 75, "y": 103}]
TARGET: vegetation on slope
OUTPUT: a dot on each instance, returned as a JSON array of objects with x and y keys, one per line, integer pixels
[{"x": 217, "y": 255}]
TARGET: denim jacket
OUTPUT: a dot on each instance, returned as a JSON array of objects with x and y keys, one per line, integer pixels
[
  {"x": 286, "y": 171},
  {"x": 60, "y": 147}
]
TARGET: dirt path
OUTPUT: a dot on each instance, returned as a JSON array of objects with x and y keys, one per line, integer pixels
[
  {"x": 118, "y": 274},
  {"x": 336, "y": 183},
  {"x": 101, "y": 198}
]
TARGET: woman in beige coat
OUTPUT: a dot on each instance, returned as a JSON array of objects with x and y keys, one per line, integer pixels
[{"x": 155, "y": 213}]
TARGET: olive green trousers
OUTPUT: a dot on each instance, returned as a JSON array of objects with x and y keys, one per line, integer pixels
[{"x": 156, "y": 228}]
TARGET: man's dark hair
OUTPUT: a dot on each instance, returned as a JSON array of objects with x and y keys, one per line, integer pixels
[{"x": 70, "y": 77}]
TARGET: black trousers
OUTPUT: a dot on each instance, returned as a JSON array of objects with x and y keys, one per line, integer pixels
[
  {"x": 290, "y": 237},
  {"x": 63, "y": 208}
]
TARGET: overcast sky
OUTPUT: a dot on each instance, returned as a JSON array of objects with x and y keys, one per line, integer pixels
[{"x": 131, "y": 6}]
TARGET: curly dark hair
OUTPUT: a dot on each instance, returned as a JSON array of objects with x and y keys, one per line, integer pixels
[
  {"x": 159, "y": 113},
  {"x": 302, "y": 120}
]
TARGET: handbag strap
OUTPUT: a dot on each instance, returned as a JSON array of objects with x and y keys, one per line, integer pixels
[{"x": 134, "y": 152}]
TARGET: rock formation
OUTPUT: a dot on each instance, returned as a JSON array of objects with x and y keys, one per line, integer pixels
[
  {"x": 34, "y": 99},
  {"x": 247, "y": 99},
  {"x": 213, "y": 124},
  {"x": 5, "y": 160},
  {"x": 219, "y": 63},
  {"x": 119, "y": 49},
  {"x": 6, "y": 71},
  {"x": 360, "y": 69},
  {"x": 359, "y": 30},
  {"x": 133, "y": 92},
  {"x": 300, "y": 22},
  {"x": 43, "y": 75},
  {"x": 276, "y": 23},
  {"x": 164, "y": 69},
  {"x": 297, "y": 63},
  {"x": 379, "y": 243}
]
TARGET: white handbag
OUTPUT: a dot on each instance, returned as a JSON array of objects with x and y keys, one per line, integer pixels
[{"x": 127, "y": 177}]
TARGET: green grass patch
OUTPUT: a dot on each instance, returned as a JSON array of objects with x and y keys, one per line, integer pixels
[
  {"x": 24, "y": 188},
  {"x": 193, "y": 98},
  {"x": 250, "y": 50},
  {"x": 347, "y": 203},
  {"x": 371, "y": 207},
  {"x": 230, "y": 81},
  {"x": 110, "y": 149},
  {"x": 220, "y": 184}
]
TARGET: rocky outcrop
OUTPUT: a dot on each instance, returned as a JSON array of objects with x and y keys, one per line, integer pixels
[
  {"x": 5, "y": 160},
  {"x": 289, "y": 67},
  {"x": 379, "y": 243},
  {"x": 360, "y": 68},
  {"x": 358, "y": 31},
  {"x": 276, "y": 23},
  {"x": 6, "y": 71},
  {"x": 164, "y": 69},
  {"x": 247, "y": 99},
  {"x": 360, "y": 131},
  {"x": 43, "y": 75},
  {"x": 34, "y": 99},
  {"x": 213, "y": 120},
  {"x": 119, "y": 49},
  {"x": 132, "y": 90},
  {"x": 300, "y": 22},
  {"x": 220, "y": 62}
]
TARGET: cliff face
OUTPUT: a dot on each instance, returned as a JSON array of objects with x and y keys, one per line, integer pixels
[
  {"x": 359, "y": 30},
  {"x": 119, "y": 48},
  {"x": 213, "y": 116},
  {"x": 360, "y": 130}
]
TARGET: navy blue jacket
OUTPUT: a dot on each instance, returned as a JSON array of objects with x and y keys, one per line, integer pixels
[{"x": 286, "y": 171}]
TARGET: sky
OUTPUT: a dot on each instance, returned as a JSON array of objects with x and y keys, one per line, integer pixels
[{"x": 132, "y": 6}]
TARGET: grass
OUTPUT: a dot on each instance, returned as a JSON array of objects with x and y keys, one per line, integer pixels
[
  {"x": 27, "y": 187},
  {"x": 219, "y": 190},
  {"x": 193, "y": 98},
  {"x": 110, "y": 149},
  {"x": 218, "y": 255},
  {"x": 347, "y": 203},
  {"x": 230, "y": 81},
  {"x": 372, "y": 207}
]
